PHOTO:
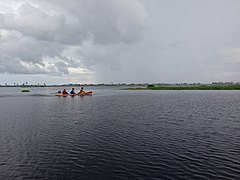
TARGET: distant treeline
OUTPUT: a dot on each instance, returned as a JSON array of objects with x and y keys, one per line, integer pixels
[
  {"x": 146, "y": 86},
  {"x": 74, "y": 85}
]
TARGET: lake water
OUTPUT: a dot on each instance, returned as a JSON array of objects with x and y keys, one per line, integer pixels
[{"x": 119, "y": 134}]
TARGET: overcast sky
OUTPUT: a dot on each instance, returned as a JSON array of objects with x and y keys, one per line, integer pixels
[{"x": 104, "y": 41}]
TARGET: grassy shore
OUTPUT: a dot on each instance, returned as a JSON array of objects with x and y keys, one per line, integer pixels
[{"x": 201, "y": 87}]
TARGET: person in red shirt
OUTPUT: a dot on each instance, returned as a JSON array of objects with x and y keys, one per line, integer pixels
[{"x": 64, "y": 91}]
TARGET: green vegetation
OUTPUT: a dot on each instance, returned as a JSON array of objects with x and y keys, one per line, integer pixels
[
  {"x": 189, "y": 87},
  {"x": 151, "y": 86},
  {"x": 25, "y": 90}
]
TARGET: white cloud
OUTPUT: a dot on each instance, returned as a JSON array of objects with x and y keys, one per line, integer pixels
[{"x": 53, "y": 36}]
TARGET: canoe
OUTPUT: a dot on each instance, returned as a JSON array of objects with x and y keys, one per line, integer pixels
[
  {"x": 81, "y": 94},
  {"x": 65, "y": 95},
  {"x": 89, "y": 93}
]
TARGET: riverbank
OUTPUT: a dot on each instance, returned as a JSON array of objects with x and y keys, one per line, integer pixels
[{"x": 200, "y": 87}]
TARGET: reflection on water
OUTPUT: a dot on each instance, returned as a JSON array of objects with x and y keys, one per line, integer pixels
[{"x": 118, "y": 134}]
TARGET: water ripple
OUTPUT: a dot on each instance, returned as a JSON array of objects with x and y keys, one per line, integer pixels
[{"x": 125, "y": 135}]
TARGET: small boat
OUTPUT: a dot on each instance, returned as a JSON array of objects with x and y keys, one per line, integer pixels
[{"x": 89, "y": 93}]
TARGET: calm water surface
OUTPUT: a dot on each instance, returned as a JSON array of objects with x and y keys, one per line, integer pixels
[{"x": 118, "y": 134}]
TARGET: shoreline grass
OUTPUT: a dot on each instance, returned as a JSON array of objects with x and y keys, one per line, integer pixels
[
  {"x": 201, "y": 87},
  {"x": 25, "y": 90}
]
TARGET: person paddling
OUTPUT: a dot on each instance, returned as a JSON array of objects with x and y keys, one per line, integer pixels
[
  {"x": 81, "y": 91},
  {"x": 72, "y": 91},
  {"x": 64, "y": 91}
]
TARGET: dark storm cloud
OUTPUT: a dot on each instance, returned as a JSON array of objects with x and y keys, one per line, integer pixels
[{"x": 121, "y": 40}]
